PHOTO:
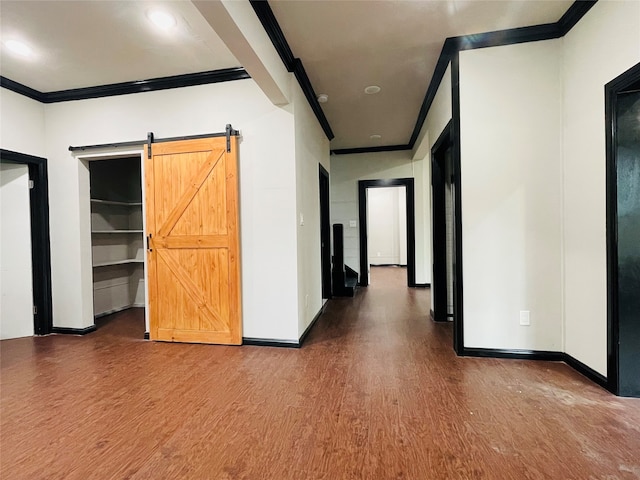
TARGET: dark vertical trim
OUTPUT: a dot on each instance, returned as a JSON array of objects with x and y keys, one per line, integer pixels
[
  {"x": 611, "y": 90},
  {"x": 458, "y": 327},
  {"x": 363, "y": 185},
  {"x": 325, "y": 231},
  {"x": 40, "y": 240},
  {"x": 438, "y": 234},
  {"x": 612, "y": 236}
]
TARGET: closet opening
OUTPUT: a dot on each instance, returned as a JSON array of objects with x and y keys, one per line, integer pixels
[{"x": 117, "y": 244}]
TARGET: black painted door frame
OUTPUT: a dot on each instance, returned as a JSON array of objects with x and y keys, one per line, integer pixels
[
  {"x": 439, "y": 234},
  {"x": 325, "y": 232},
  {"x": 629, "y": 80},
  {"x": 40, "y": 240},
  {"x": 363, "y": 185},
  {"x": 448, "y": 139}
]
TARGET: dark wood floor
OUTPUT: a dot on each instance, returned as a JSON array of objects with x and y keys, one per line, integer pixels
[{"x": 375, "y": 393}]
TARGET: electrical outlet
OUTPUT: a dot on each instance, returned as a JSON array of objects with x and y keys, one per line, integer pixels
[
  {"x": 353, "y": 224},
  {"x": 301, "y": 219},
  {"x": 525, "y": 317}
]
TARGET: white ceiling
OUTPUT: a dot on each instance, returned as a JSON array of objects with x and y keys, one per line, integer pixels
[
  {"x": 344, "y": 46},
  {"x": 348, "y": 45},
  {"x": 89, "y": 43}
]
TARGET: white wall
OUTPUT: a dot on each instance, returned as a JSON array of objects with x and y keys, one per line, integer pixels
[
  {"x": 387, "y": 226},
  {"x": 267, "y": 191},
  {"x": 346, "y": 171},
  {"x": 604, "y": 44},
  {"x": 311, "y": 151},
  {"x": 16, "y": 282},
  {"x": 511, "y": 195},
  {"x": 21, "y": 124}
]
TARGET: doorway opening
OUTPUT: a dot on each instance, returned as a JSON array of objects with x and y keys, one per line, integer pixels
[
  {"x": 325, "y": 233},
  {"x": 401, "y": 245},
  {"x": 31, "y": 174},
  {"x": 447, "y": 226},
  {"x": 622, "y": 110},
  {"x": 386, "y": 229},
  {"x": 118, "y": 242}
]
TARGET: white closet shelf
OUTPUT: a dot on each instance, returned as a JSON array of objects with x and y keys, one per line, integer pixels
[
  {"x": 112, "y": 202},
  {"x": 116, "y": 231},
  {"x": 117, "y": 262}
]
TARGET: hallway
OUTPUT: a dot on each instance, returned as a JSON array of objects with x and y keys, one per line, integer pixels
[{"x": 376, "y": 392}]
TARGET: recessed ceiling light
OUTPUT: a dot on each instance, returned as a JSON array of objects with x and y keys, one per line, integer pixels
[
  {"x": 375, "y": 136},
  {"x": 371, "y": 89},
  {"x": 19, "y": 48},
  {"x": 323, "y": 98},
  {"x": 161, "y": 19}
]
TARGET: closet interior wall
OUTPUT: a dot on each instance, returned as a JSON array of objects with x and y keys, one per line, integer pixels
[{"x": 117, "y": 235}]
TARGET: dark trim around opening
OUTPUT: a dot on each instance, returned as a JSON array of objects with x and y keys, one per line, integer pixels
[
  {"x": 125, "y": 88},
  {"x": 40, "y": 240},
  {"x": 324, "y": 188},
  {"x": 612, "y": 89},
  {"x": 439, "y": 227},
  {"x": 458, "y": 322},
  {"x": 363, "y": 185}
]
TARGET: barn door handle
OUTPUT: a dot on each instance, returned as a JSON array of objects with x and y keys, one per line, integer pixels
[{"x": 149, "y": 249}]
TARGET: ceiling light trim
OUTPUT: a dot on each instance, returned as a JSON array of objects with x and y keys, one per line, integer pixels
[
  {"x": 162, "y": 19},
  {"x": 125, "y": 88}
]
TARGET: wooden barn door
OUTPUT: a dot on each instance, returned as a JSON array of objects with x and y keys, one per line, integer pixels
[{"x": 193, "y": 242}]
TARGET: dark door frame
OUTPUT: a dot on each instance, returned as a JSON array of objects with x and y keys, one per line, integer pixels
[
  {"x": 40, "y": 240},
  {"x": 625, "y": 81},
  {"x": 446, "y": 140},
  {"x": 325, "y": 232},
  {"x": 439, "y": 230},
  {"x": 363, "y": 185}
]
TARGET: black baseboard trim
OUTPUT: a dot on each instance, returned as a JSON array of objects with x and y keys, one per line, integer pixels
[
  {"x": 432, "y": 315},
  {"x": 588, "y": 372},
  {"x": 271, "y": 342},
  {"x": 266, "y": 342},
  {"x": 388, "y": 265},
  {"x": 304, "y": 335},
  {"x": 422, "y": 285},
  {"x": 73, "y": 331},
  {"x": 577, "y": 365},
  {"x": 512, "y": 353},
  {"x": 146, "y": 335}
]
